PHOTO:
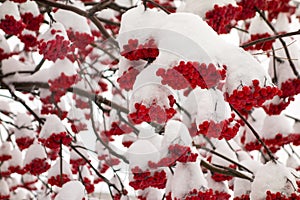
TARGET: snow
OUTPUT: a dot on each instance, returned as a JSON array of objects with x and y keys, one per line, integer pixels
[
  {"x": 23, "y": 120},
  {"x": 34, "y": 151},
  {"x": 274, "y": 177},
  {"x": 71, "y": 190},
  {"x": 187, "y": 176},
  {"x": 223, "y": 148},
  {"x": 19, "y": 133},
  {"x": 257, "y": 123},
  {"x": 5, "y": 148},
  {"x": 149, "y": 93},
  {"x": 55, "y": 169},
  {"x": 4, "y": 189},
  {"x": 17, "y": 158},
  {"x": 140, "y": 152},
  {"x": 54, "y": 71},
  {"x": 151, "y": 193},
  {"x": 29, "y": 7},
  {"x": 276, "y": 124},
  {"x": 147, "y": 132},
  {"x": 4, "y": 45},
  {"x": 201, "y": 7},
  {"x": 72, "y": 21},
  {"x": 52, "y": 125},
  {"x": 9, "y": 8},
  {"x": 216, "y": 186},
  {"x": 176, "y": 132},
  {"x": 259, "y": 26},
  {"x": 202, "y": 44},
  {"x": 212, "y": 100},
  {"x": 284, "y": 71},
  {"x": 12, "y": 65},
  {"x": 60, "y": 30}
]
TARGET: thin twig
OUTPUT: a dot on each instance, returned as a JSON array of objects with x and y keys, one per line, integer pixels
[{"x": 255, "y": 134}]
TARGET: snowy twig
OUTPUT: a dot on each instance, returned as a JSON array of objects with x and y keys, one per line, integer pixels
[
  {"x": 83, "y": 13},
  {"x": 296, "y": 73},
  {"x": 226, "y": 171},
  {"x": 266, "y": 39},
  {"x": 255, "y": 134}
]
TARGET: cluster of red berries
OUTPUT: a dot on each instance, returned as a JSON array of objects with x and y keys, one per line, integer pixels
[
  {"x": 223, "y": 129},
  {"x": 81, "y": 103},
  {"x": 135, "y": 51},
  {"x": 4, "y": 197},
  {"x": 75, "y": 163},
  {"x": 153, "y": 113},
  {"x": 221, "y": 177},
  {"x": 59, "y": 180},
  {"x": 192, "y": 74},
  {"x": 127, "y": 143},
  {"x": 60, "y": 85},
  {"x": 49, "y": 108},
  {"x": 29, "y": 40},
  {"x": 117, "y": 128},
  {"x": 5, "y": 157},
  {"x": 144, "y": 179},
  {"x": 279, "y": 6},
  {"x": 265, "y": 46},
  {"x": 280, "y": 196},
  {"x": 178, "y": 153},
  {"x": 290, "y": 87},
  {"x": 56, "y": 139},
  {"x": 127, "y": 79},
  {"x": 4, "y": 55},
  {"x": 221, "y": 17},
  {"x": 274, "y": 144},
  {"x": 89, "y": 186},
  {"x": 37, "y": 166},
  {"x": 16, "y": 169},
  {"x": 274, "y": 7},
  {"x": 251, "y": 96},
  {"x": 54, "y": 49},
  {"x": 243, "y": 197},
  {"x": 11, "y": 26},
  {"x": 33, "y": 23},
  {"x": 80, "y": 40},
  {"x": 78, "y": 126},
  {"x": 24, "y": 142},
  {"x": 202, "y": 195},
  {"x": 276, "y": 109},
  {"x": 168, "y": 5}
]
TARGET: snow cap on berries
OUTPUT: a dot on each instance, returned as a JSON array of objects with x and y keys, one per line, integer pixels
[
  {"x": 30, "y": 7},
  {"x": 4, "y": 189},
  {"x": 71, "y": 190},
  {"x": 140, "y": 152},
  {"x": 53, "y": 125},
  {"x": 9, "y": 8},
  {"x": 176, "y": 132},
  {"x": 5, "y": 151},
  {"x": 273, "y": 177},
  {"x": 191, "y": 175}
]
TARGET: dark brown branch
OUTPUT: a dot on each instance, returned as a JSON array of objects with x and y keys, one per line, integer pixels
[
  {"x": 255, "y": 134},
  {"x": 83, "y": 13},
  {"x": 111, "y": 151},
  {"x": 287, "y": 53},
  {"x": 224, "y": 170},
  {"x": 22, "y": 102},
  {"x": 98, "y": 99},
  {"x": 225, "y": 158},
  {"x": 95, "y": 170},
  {"x": 266, "y": 39}
]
